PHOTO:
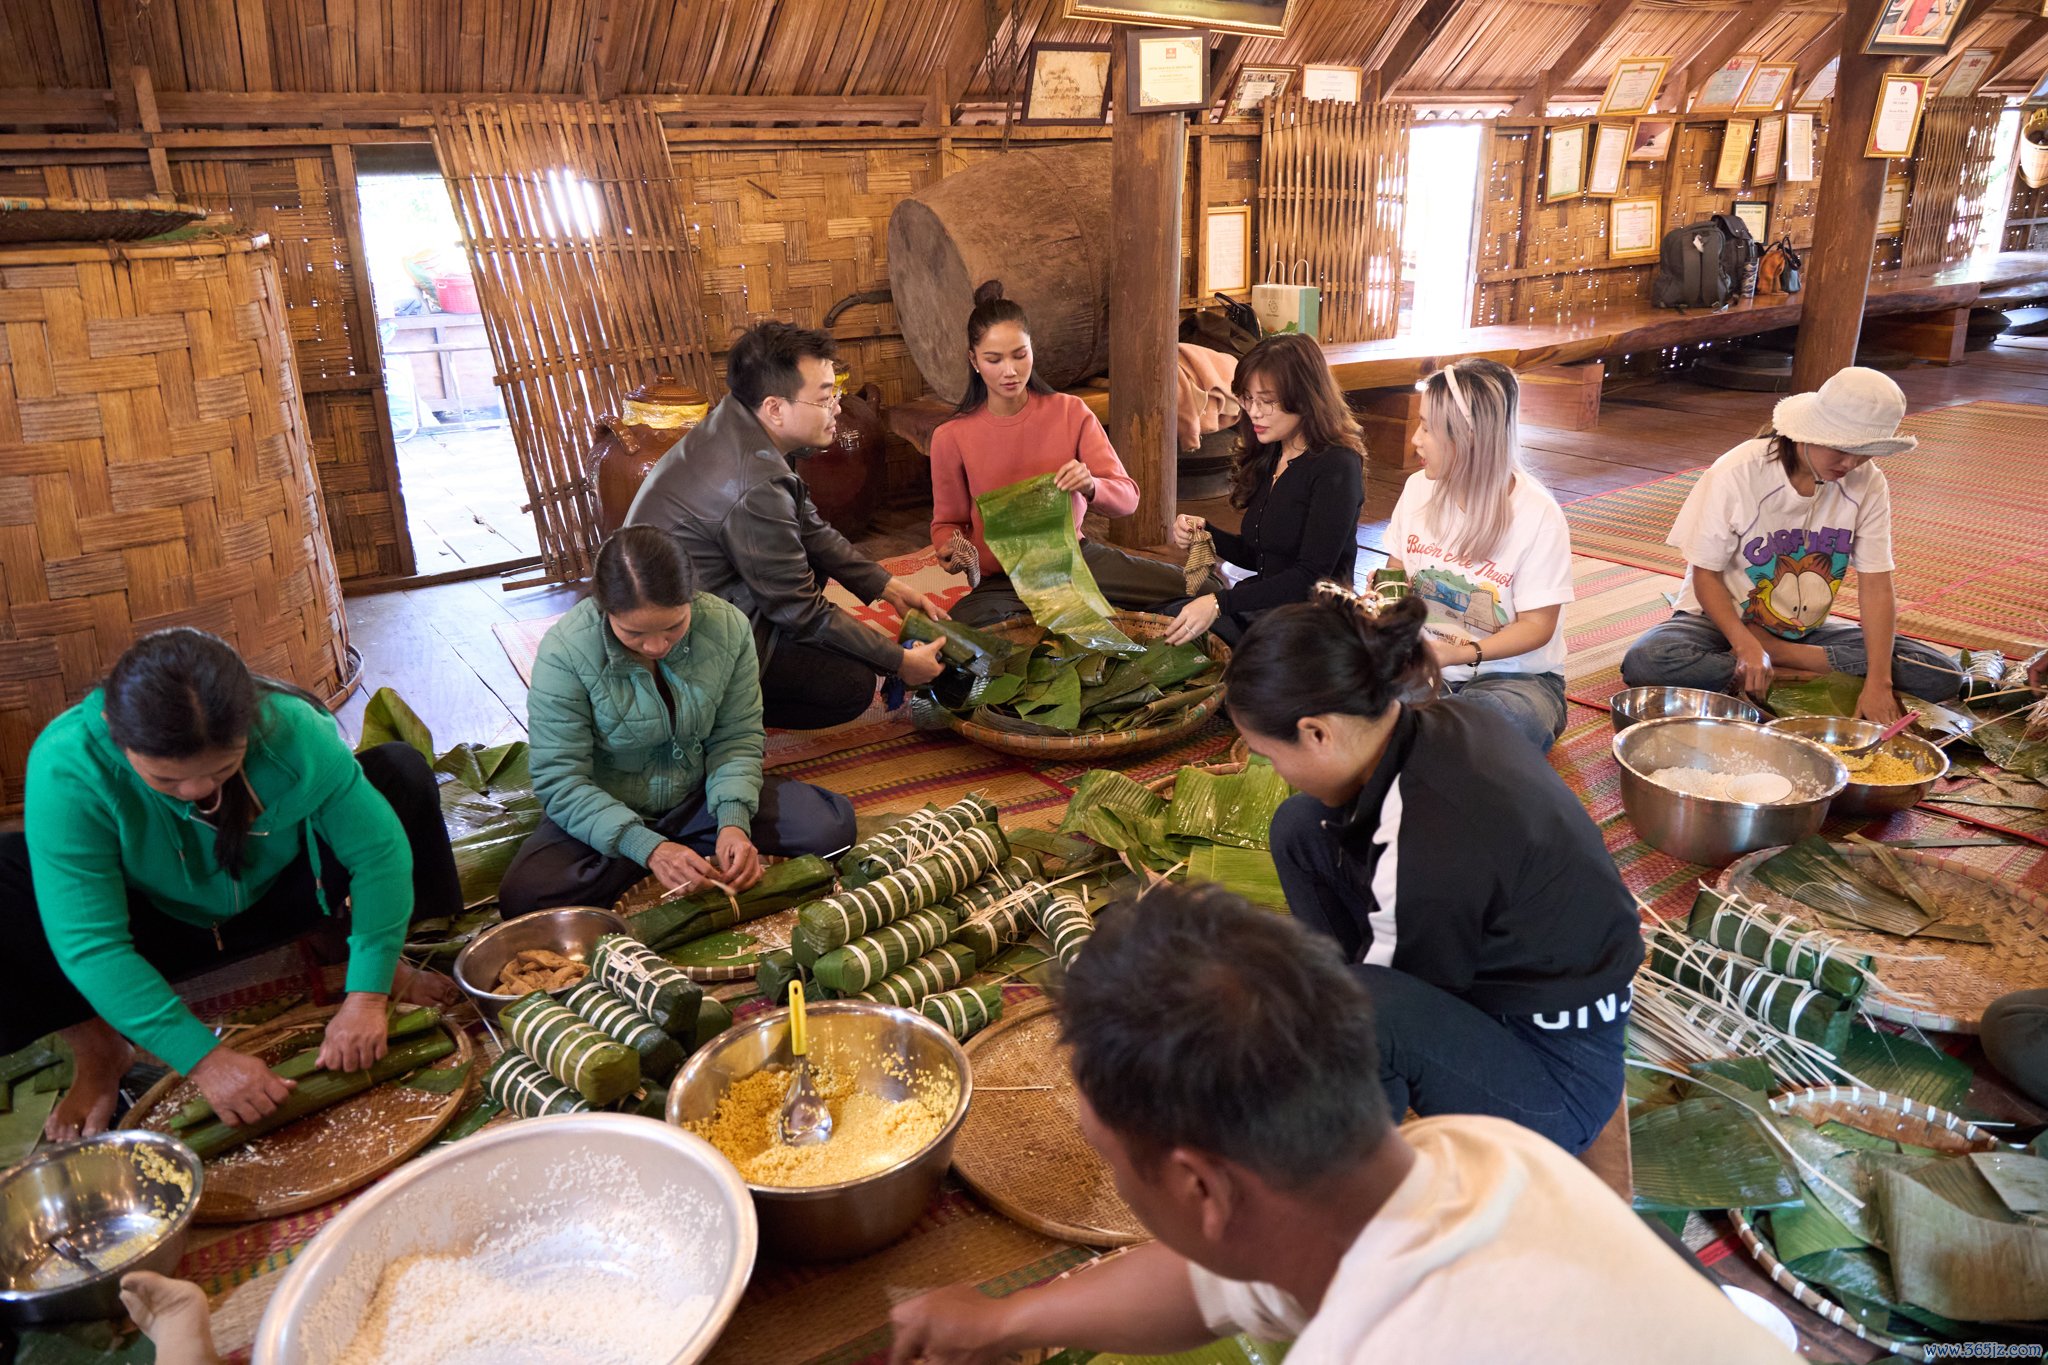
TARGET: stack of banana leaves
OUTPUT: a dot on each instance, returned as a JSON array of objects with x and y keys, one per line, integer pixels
[
  {"x": 1915, "y": 1244},
  {"x": 702, "y": 929},
  {"x": 1217, "y": 828},
  {"x": 1049, "y": 685}
]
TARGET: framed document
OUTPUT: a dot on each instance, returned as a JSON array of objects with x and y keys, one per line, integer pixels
[
  {"x": 1725, "y": 86},
  {"x": 1891, "y": 210},
  {"x": 1970, "y": 71},
  {"x": 1266, "y": 18},
  {"x": 1564, "y": 162},
  {"x": 1255, "y": 84},
  {"x": 1345, "y": 84},
  {"x": 1734, "y": 158},
  {"x": 1227, "y": 250},
  {"x": 1167, "y": 70},
  {"x": 1821, "y": 88},
  {"x": 1770, "y": 150},
  {"x": 1766, "y": 88},
  {"x": 1067, "y": 83},
  {"x": 1632, "y": 89},
  {"x": 1651, "y": 139},
  {"x": 1907, "y": 28},
  {"x": 1799, "y": 145},
  {"x": 1610, "y": 158},
  {"x": 1756, "y": 216},
  {"x": 1634, "y": 229},
  {"x": 1901, "y": 100}
]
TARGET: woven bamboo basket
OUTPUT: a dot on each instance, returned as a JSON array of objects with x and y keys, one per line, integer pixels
[
  {"x": 92, "y": 220},
  {"x": 1956, "y": 981},
  {"x": 1882, "y": 1115},
  {"x": 155, "y": 471},
  {"x": 1139, "y": 625}
]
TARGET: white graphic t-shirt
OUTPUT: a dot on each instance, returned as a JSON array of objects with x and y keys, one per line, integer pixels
[
  {"x": 1781, "y": 556},
  {"x": 1471, "y": 598}
]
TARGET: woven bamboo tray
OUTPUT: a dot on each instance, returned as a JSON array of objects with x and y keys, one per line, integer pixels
[
  {"x": 1962, "y": 979},
  {"x": 1881, "y": 1115},
  {"x": 1021, "y": 1148},
  {"x": 1227, "y": 766},
  {"x": 1139, "y": 625},
  {"x": 92, "y": 220},
  {"x": 324, "y": 1155}
]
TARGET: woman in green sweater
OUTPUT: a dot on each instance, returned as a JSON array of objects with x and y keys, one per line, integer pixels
[
  {"x": 645, "y": 722},
  {"x": 186, "y": 814}
]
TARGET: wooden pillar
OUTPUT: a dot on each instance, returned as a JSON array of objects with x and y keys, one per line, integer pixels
[
  {"x": 1845, "y": 219},
  {"x": 1148, "y": 166}
]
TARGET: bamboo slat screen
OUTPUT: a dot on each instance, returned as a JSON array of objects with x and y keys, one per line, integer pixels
[
  {"x": 1951, "y": 174},
  {"x": 574, "y": 232},
  {"x": 1333, "y": 194},
  {"x": 2026, "y": 221}
]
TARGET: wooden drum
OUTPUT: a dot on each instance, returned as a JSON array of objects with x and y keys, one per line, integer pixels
[{"x": 155, "y": 470}]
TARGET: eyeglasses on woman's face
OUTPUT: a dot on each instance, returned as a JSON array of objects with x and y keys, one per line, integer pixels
[{"x": 1255, "y": 404}]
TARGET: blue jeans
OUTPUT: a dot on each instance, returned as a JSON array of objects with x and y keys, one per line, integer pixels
[
  {"x": 1688, "y": 650},
  {"x": 1439, "y": 1053},
  {"x": 1532, "y": 702}
]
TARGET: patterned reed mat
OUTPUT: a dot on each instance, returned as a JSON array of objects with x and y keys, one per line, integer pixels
[{"x": 1969, "y": 526}]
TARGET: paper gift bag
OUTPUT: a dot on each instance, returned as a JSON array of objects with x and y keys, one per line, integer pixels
[{"x": 1294, "y": 307}]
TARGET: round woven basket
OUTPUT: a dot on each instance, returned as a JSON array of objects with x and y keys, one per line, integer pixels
[
  {"x": 1227, "y": 766},
  {"x": 1955, "y": 982},
  {"x": 1139, "y": 625},
  {"x": 168, "y": 475},
  {"x": 1881, "y": 1115},
  {"x": 92, "y": 220}
]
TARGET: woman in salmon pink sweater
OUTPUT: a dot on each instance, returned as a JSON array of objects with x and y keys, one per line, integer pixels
[{"x": 1010, "y": 426}]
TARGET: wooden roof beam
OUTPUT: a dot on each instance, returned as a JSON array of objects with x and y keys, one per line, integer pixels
[
  {"x": 1738, "y": 29},
  {"x": 1601, "y": 22},
  {"x": 2022, "y": 43},
  {"x": 1415, "y": 39}
]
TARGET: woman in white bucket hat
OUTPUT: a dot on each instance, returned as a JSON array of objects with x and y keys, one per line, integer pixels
[{"x": 1768, "y": 535}]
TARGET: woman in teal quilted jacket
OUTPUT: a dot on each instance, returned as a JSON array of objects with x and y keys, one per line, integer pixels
[{"x": 645, "y": 722}]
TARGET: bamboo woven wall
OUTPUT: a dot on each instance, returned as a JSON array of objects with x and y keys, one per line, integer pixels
[
  {"x": 574, "y": 232},
  {"x": 1333, "y": 189},
  {"x": 155, "y": 470},
  {"x": 1951, "y": 171},
  {"x": 2026, "y": 221}
]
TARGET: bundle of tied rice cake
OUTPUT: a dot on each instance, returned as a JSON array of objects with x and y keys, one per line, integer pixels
[
  {"x": 523, "y": 1088},
  {"x": 943, "y": 968},
  {"x": 911, "y": 838},
  {"x": 964, "y": 1013},
  {"x": 636, "y": 974},
  {"x": 598, "y": 1068},
  {"x": 867, "y": 960},
  {"x": 836, "y": 920},
  {"x": 660, "y": 1055}
]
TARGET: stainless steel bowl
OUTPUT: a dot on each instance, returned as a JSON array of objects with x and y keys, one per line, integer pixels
[
  {"x": 1870, "y": 798},
  {"x": 828, "y": 1222},
  {"x": 461, "y": 1196},
  {"x": 1639, "y": 704},
  {"x": 1701, "y": 829},
  {"x": 94, "y": 1192},
  {"x": 571, "y": 930}
]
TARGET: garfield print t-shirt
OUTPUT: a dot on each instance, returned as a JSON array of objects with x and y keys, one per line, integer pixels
[{"x": 1782, "y": 556}]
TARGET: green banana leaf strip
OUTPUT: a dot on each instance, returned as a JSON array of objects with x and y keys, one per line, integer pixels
[
  {"x": 388, "y": 718},
  {"x": 977, "y": 651},
  {"x": 1227, "y": 808},
  {"x": 1108, "y": 787},
  {"x": 1029, "y": 526},
  {"x": 1160, "y": 666},
  {"x": 1890, "y": 1062},
  {"x": 1956, "y": 1248},
  {"x": 2019, "y": 1178},
  {"x": 1809, "y": 1228},
  {"x": 1831, "y": 694},
  {"x": 728, "y": 948},
  {"x": 990, "y": 717},
  {"x": 1706, "y": 1153},
  {"x": 442, "y": 1081},
  {"x": 1748, "y": 1074},
  {"x": 666, "y": 924},
  {"x": 994, "y": 690},
  {"x": 1249, "y": 872},
  {"x": 1061, "y": 697},
  {"x": 471, "y": 1119},
  {"x": 1168, "y": 706}
]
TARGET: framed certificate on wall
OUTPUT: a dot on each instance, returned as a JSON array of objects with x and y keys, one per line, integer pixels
[
  {"x": 1756, "y": 216},
  {"x": 1226, "y": 249},
  {"x": 1733, "y": 162},
  {"x": 1891, "y": 210},
  {"x": 1632, "y": 89},
  {"x": 1610, "y": 159},
  {"x": 1800, "y": 134},
  {"x": 1726, "y": 85},
  {"x": 1166, "y": 71},
  {"x": 1770, "y": 149},
  {"x": 1564, "y": 162},
  {"x": 1634, "y": 229},
  {"x": 1901, "y": 100},
  {"x": 1345, "y": 84},
  {"x": 1970, "y": 71},
  {"x": 1766, "y": 88}
]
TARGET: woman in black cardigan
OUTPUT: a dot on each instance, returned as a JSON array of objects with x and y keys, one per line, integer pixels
[{"x": 1299, "y": 477}]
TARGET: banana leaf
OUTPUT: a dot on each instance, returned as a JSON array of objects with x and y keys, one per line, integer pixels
[
  {"x": 1861, "y": 1281},
  {"x": 977, "y": 651},
  {"x": 1751, "y": 1075},
  {"x": 1172, "y": 704},
  {"x": 667, "y": 924},
  {"x": 993, "y": 719},
  {"x": 1160, "y": 666},
  {"x": 1890, "y": 1062},
  {"x": 1706, "y": 1153},
  {"x": 1784, "y": 1002},
  {"x": 388, "y": 718},
  {"x": 727, "y": 948},
  {"x": 1839, "y": 1173},
  {"x": 1957, "y": 1249},
  {"x": 1808, "y": 1228},
  {"x": 1029, "y": 526},
  {"x": 1227, "y": 808},
  {"x": 21, "y": 1127},
  {"x": 1058, "y": 702},
  {"x": 1249, "y": 872},
  {"x": 1107, "y": 787},
  {"x": 2006, "y": 742},
  {"x": 1831, "y": 694},
  {"x": 1814, "y": 873},
  {"x": 2019, "y": 1178}
]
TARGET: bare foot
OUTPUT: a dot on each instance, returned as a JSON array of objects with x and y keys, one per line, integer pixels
[
  {"x": 173, "y": 1314},
  {"x": 411, "y": 985},
  {"x": 102, "y": 1059}
]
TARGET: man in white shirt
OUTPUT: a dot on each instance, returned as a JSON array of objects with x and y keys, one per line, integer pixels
[{"x": 1228, "y": 1075}]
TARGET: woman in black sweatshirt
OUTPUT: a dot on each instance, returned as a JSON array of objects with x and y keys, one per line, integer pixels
[
  {"x": 1450, "y": 863},
  {"x": 1298, "y": 475}
]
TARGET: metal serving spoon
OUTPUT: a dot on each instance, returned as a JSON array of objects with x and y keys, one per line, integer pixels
[{"x": 805, "y": 1120}]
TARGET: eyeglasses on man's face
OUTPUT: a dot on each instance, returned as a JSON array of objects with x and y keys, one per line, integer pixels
[{"x": 828, "y": 404}]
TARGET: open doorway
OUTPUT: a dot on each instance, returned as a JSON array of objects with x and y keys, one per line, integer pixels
[
  {"x": 1436, "y": 241},
  {"x": 456, "y": 460}
]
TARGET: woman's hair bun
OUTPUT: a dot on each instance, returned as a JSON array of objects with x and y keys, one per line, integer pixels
[{"x": 988, "y": 291}]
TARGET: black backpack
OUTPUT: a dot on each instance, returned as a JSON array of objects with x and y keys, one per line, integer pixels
[{"x": 1702, "y": 265}]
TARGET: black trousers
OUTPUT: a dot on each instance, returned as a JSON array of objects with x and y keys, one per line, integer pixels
[
  {"x": 808, "y": 688},
  {"x": 41, "y": 998},
  {"x": 553, "y": 867}
]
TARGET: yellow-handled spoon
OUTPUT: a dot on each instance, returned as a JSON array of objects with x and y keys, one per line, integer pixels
[{"x": 805, "y": 1120}]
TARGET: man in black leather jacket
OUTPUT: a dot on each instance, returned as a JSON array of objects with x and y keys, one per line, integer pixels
[{"x": 730, "y": 491}]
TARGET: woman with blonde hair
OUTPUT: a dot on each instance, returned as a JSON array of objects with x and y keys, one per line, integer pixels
[
  {"x": 1297, "y": 475},
  {"x": 1486, "y": 549}
]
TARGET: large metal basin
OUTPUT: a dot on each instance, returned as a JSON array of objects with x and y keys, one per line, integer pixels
[{"x": 1712, "y": 832}]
